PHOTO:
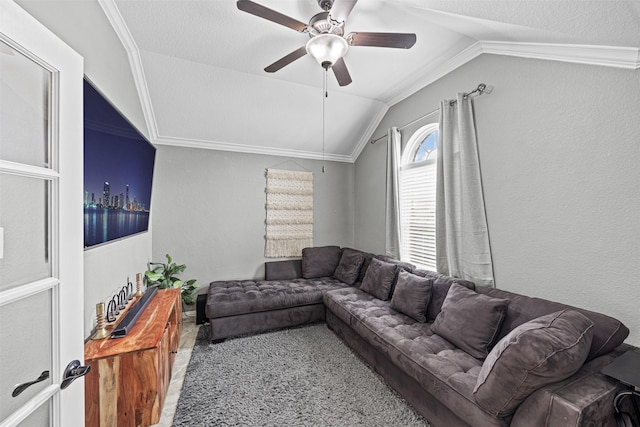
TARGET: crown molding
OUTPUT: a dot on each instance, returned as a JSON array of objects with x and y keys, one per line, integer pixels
[
  {"x": 371, "y": 128},
  {"x": 122, "y": 31},
  {"x": 424, "y": 77},
  {"x": 608, "y": 56},
  {"x": 421, "y": 80},
  {"x": 251, "y": 149}
]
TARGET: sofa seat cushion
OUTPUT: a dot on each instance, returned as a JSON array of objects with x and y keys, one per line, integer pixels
[
  {"x": 233, "y": 297},
  {"x": 442, "y": 369}
]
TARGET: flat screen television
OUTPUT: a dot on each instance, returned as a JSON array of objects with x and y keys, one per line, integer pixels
[{"x": 118, "y": 173}]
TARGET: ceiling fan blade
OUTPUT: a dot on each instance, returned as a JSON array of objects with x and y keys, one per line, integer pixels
[
  {"x": 341, "y": 72},
  {"x": 398, "y": 40},
  {"x": 270, "y": 15},
  {"x": 286, "y": 60},
  {"x": 341, "y": 9}
]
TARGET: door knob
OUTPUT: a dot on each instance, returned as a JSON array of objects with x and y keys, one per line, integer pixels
[
  {"x": 73, "y": 371},
  {"x": 22, "y": 387}
]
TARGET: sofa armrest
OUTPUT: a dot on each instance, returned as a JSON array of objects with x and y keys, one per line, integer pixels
[
  {"x": 283, "y": 270},
  {"x": 584, "y": 399}
]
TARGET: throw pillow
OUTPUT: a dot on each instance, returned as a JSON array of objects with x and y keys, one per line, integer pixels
[
  {"x": 441, "y": 285},
  {"x": 379, "y": 279},
  {"x": 349, "y": 267},
  {"x": 542, "y": 351},
  {"x": 412, "y": 295},
  {"x": 320, "y": 262},
  {"x": 401, "y": 266},
  {"x": 365, "y": 266},
  {"x": 470, "y": 320}
]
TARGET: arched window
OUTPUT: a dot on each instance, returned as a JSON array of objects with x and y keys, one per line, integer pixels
[{"x": 418, "y": 197}]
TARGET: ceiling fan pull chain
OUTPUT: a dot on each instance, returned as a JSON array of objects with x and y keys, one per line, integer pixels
[{"x": 325, "y": 94}]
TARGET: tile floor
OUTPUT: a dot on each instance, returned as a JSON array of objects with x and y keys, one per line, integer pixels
[{"x": 187, "y": 340}]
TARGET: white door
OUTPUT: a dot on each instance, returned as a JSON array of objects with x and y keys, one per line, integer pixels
[{"x": 41, "y": 243}]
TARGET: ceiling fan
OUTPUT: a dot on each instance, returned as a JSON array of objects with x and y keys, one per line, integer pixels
[{"x": 327, "y": 43}]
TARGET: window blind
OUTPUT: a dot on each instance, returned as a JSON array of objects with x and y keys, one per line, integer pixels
[{"x": 418, "y": 214}]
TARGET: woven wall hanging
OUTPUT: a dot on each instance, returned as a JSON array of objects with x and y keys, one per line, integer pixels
[{"x": 289, "y": 223}]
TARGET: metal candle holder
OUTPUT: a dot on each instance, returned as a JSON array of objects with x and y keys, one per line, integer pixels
[
  {"x": 112, "y": 309},
  {"x": 122, "y": 298},
  {"x": 138, "y": 284},
  {"x": 101, "y": 330},
  {"x": 129, "y": 290}
]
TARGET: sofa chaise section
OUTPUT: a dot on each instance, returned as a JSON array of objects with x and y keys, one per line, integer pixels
[
  {"x": 240, "y": 307},
  {"x": 291, "y": 295}
]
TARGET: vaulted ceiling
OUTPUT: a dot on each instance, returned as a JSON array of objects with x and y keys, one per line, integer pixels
[{"x": 199, "y": 65}]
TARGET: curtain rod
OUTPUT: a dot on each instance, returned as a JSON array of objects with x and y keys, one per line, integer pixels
[{"x": 482, "y": 88}]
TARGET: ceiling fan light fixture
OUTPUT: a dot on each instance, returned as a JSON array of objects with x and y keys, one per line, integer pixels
[{"x": 326, "y": 49}]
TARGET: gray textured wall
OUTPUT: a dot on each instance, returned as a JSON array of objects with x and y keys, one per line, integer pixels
[
  {"x": 84, "y": 27},
  {"x": 559, "y": 147},
  {"x": 209, "y": 209}
]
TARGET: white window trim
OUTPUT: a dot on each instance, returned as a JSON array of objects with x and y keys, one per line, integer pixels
[
  {"x": 408, "y": 165},
  {"x": 413, "y": 144}
]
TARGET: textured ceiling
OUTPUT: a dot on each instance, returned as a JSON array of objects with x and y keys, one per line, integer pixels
[
  {"x": 199, "y": 65},
  {"x": 206, "y": 81}
]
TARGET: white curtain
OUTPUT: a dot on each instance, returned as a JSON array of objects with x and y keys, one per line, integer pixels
[
  {"x": 462, "y": 236},
  {"x": 392, "y": 208}
]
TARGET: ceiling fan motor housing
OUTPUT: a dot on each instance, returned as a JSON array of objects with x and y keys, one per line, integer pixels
[
  {"x": 320, "y": 24},
  {"x": 327, "y": 44},
  {"x": 325, "y": 4}
]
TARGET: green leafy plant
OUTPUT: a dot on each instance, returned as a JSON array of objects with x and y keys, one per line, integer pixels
[{"x": 165, "y": 275}]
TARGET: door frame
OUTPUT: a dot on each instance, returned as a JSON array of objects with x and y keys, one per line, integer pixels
[{"x": 27, "y": 35}]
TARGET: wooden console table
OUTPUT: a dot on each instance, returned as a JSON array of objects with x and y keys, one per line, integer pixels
[{"x": 129, "y": 376}]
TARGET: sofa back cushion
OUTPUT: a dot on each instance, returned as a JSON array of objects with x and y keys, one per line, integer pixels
[
  {"x": 406, "y": 266},
  {"x": 283, "y": 270},
  {"x": 365, "y": 265},
  {"x": 441, "y": 284},
  {"x": 539, "y": 352},
  {"x": 379, "y": 279},
  {"x": 608, "y": 333},
  {"x": 349, "y": 266},
  {"x": 470, "y": 320},
  {"x": 411, "y": 295},
  {"x": 320, "y": 261},
  {"x": 401, "y": 266}
]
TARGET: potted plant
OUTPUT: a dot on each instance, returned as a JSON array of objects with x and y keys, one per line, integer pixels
[{"x": 164, "y": 275}]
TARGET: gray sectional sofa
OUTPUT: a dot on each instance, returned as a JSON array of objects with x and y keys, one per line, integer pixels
[{"x": 461, "y": 355}]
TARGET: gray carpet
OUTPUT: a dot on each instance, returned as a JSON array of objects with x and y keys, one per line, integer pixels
[{"x": 296, "y": 377}]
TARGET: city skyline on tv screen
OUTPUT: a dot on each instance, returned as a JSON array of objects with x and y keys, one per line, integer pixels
[{"x": 118, "y": 173}]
